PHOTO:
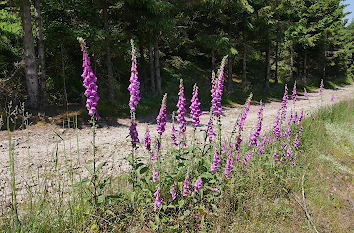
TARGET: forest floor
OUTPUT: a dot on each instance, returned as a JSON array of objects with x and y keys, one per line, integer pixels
[{"x": 45, "y": 148}]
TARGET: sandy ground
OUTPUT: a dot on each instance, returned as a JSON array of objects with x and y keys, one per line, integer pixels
[{"x": 42, "y": 157}]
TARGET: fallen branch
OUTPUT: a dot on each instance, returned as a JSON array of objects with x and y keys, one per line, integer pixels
[{"x": 304, "y": 204}]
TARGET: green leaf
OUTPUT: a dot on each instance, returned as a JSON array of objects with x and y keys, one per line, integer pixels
[
  {"x": 99, "y": 167},
  {"x": 144, "y": 170}
]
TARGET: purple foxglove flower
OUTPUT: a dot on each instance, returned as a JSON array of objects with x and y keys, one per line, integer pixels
[
  {"x": 257, "y": 131},
  {"x": 244, "y": 114},
  {"x": 210, "y": 129},
  {"x": 297, "y": 141},
  {"x": 321, "y": 86},
  {"x": 186, "y": 186},
  {"x": 248, "y": 157},
  {"x": 284, "y": 103},
  {"x": 181, "y": 105},
  {"x": 294, "y": 94},
  {"x": 229, "y": 161},
  {"x": 301, "y": 117},
  {"x": 134, "y": 82},
  {"x": 332, "y": 98},
  {"x": 290, "y": 118},
  {"x": 289, "y": 152},
  {"x": 161, "y": 118},
  {"x": 276, "y": 127},
  {"x": 147, "y": 139},
  {"x": 289, "y": 134},
  {"x": 133, "y": 133},
  {"x": 157, "y": 203},
  {"x": 238, "y": 142},
  {"x": 217, "y": 89},
  {"x": 198, "y": 184},
  {"x": 154, "y": 175},
  {"x": 173, "y": 134},
  {"x": 216, "y": 161},
  {"x": 195, "y": 111},
  {"x": 223, "y": 152},
  {"x": 294, "y": 118},
  {"x": 173, "y": 193},
  {"x": 89, "y": 82},
  {"x": 275, "y": 157},
  {"x": 300, "y": 130},
  {"x": 305, "y": 94}
]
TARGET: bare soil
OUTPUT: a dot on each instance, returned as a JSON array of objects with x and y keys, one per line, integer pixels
[{"x": 46, "y": 153}]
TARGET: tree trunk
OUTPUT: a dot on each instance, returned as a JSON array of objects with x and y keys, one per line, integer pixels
[
  {"x": 152, "y": 70},
  {"x": 267, "y": 77},
  {"x": 63, "y": 74},
  {"x": 244, "y": 66},
  {"x": 292, "y": 64},
  {"x": 157, "y": 69},
  {"x": 29, "y": 54},
  {"x": 230, "y": 59},
  {"x": 305, "y": 67},
  {"x": 108, "y": 54},
  {"x": 276, "y": 63},
  {"x": 42, "y": 72}
]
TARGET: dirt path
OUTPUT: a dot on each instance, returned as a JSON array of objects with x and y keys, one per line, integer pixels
[{"x": 40, "y": 151}]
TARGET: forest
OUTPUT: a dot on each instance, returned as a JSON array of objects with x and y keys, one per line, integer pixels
[{"x": 267, "y": 43}]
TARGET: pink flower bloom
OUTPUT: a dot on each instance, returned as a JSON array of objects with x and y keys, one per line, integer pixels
[
  {"x": 257, "y": 131},
  {"x": 181, "y": 105},
  {"x": 314, "y": 116},
  {"x": 195, "y": 111},
  {"x": 238, "y": 142},
  {"x": 276, "y": 125},
  {"x": 157, "y": 203},
  {"x": 294, "y": 94},
  {"x": 133, "y": 133},
  {"x": 229, "y": 161},
  {"x": 244, "y": 114},
  {"x": 198, "y": 184},
  {"x": 154, "y": 175},
  {"x": 275, "y": 157},
  {"x": 173, "y": 131},
  {"x": 248, "y": 157},
  {"x": 321, "y": 86},
  {"x": 301, "y": 117},
  {"x": 147, "y": 139},
  {"x": 305, "y": 94},
  {"x": 300, "y": 130},
  {"x": 186, "y": 186},
  {"x": 210, "y": 129},
  {"x": 217, "y": 89},
  {"x": 332, "y": 98},
  {"x": 161, "y": 118},
  {"x": 297, "y": 141},
  {"x": 134, "y": 82},
  {"x": 284, "y": 103},
  {"x": 216, "y": 161},
  {"x": 173, "y": 193},
  {"x": 89, "y": 83}
]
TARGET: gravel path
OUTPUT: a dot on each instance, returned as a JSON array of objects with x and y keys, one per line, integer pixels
[{"x": 43, "y": 157}]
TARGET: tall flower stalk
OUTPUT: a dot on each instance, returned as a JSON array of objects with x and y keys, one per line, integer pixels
[
  {"x": 195, "y": 110},
  {"x": 216, "y": 94},
  {"x": 133, "y": 102},
  {"x": 181, "y": 111},
  {"x": 91, "y": 102},
  {"x": 161, "y": 123},
  {"x": 254, "y": 136}
]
